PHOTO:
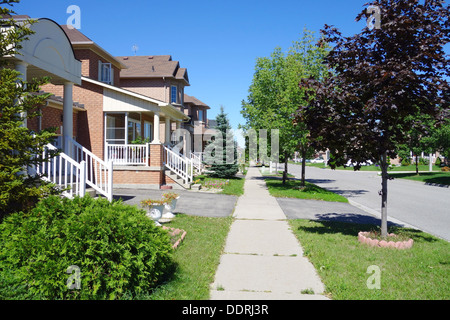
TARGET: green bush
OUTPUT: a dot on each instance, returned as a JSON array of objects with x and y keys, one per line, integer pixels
[
  {"x": 438, "y": 162},
  {"x": 118, "y": 250},
  {"x": 405, "y": 162}
]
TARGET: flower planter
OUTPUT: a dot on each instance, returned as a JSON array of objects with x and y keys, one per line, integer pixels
[
  {"x": 168, "y": 210},
  {"x": 155, "y": 212},
  {"x": 364, "y": 238}
]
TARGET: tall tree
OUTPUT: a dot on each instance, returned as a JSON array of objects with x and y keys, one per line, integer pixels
[
  {"x": 18, "y": 102},
  {"x": 274, "y": 95},
  {"x": 383, "y": 79},
  {"x": 221, "y": 153}
]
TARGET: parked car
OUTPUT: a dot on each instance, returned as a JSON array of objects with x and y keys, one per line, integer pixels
[{"x": 318, "y": 160}]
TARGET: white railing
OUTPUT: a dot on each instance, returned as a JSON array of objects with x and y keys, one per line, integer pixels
[
  {"x": 63, "y": 171},
  {"x": 197, "y": 160},
  {"x": 99, "y": 174},
  {"x": 178, "y": 164},
  {"x": 128, "y": 154}
]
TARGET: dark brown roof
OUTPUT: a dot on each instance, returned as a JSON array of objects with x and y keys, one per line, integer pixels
[
  {"x": 75, "y": 36},
  {"x": 193, "y": 100},
  {"x": 152, "y": 67}
]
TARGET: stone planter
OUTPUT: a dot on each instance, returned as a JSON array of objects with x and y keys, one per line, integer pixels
[
  {"x": 167, "y": 214},
  {"x": 364, "y": 238},
  {"x": 155, "y": 213}
]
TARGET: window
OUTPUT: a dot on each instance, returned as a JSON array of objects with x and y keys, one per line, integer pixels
[
  {"x": 134, "y": 127},
  {"x": 105, "y": 72},
  {"x": 173, "y": 94},
  {"x": 115, "y": 128},
  {"x": 148, "y": 130},
  {"x": 200, "y": 115}
]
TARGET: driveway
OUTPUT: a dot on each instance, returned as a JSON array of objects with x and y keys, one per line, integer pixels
[
  {"x": 422, "y": 206},
  {"x": 190, "y": 202}
]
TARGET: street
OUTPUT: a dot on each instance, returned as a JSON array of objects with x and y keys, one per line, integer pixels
[{"x": 422, "y": 206}]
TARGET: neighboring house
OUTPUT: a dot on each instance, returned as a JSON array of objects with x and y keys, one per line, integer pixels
[
  {"x": 198, "y": 124},
  {"x": 161, "y": 78}
]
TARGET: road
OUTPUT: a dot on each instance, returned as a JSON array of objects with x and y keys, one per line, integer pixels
[{"x": 422, "y": 206}]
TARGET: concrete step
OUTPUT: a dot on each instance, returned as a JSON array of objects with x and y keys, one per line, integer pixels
[{"x": 177, "y": 179}]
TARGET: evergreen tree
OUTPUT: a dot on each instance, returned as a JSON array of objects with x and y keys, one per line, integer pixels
[
  {"x": 221, "y": 152},
  {"x": 18, "y": 101}
]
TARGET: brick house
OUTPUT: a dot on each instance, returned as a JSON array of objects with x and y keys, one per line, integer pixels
[
  {"x": 121, "y": 125},
  {"x": 161, "y": 78}
]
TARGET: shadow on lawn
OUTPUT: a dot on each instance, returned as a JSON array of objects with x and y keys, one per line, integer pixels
[
  {"x": 351, "y": 224},
  {"x": 432, "y": 179}
]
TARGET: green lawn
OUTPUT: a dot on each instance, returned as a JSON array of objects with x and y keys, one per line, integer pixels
[
  {"x": 427, "y": 177},
  {"x": 419, "y": 273},
  {"x": 231, "y": 186},
  {"x": 197, "y": 258},
  {"x": 293, "y": 189}
]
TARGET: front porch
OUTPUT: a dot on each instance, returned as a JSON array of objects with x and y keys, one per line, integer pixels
[{"x": 139, "y": 146}]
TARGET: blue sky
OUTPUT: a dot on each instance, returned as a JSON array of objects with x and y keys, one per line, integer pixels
[{"x": 217, "y": 41}]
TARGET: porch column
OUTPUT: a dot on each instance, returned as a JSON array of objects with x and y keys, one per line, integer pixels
[
  {"x": 167, "y": 133},
  {"x": 68, "y": 116},
  {"x": 22, "y": 67},
  {"x": 156, "y": 138}
]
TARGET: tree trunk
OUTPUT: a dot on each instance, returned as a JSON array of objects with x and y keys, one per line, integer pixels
[
  {"x": 303, "y": 152},
  {"x": 285, "y": 168},
  {"x": 417, "y": 164},
  {"x": 384, "y": 180}
]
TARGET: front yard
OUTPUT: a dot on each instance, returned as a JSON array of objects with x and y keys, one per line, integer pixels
[
  {"x": 231, "y": 186},
  {"x": 421, "y": 273},
  {"x": 197, "y": 258},
  {"x": 293, "y": 189}
]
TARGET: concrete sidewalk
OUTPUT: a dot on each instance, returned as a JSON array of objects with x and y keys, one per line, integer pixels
[{"x": 263, "y": 260}]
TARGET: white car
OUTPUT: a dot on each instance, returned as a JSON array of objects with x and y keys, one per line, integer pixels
[{"x": 318, "y": 160}]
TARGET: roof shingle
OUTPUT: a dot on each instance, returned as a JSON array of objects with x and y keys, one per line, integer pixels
[{"x": 152, "y": 67}]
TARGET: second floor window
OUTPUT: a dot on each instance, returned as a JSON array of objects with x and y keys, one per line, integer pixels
[
  {"x": 200, "y": 115},
  {"x": 173, "y": 94},
  {"x": 105, "y": 73}
]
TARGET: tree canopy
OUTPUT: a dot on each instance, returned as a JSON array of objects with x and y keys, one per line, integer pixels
[{"x": 274, "y": 94}]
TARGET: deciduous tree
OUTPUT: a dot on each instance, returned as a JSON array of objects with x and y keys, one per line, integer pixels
[{"x": 383, "y": 79}]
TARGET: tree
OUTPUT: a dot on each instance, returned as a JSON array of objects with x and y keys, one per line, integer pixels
[
  {"x": 221, "y": 153},
  {"x": 274, "y": 95},
  {"x": 18, "y": 101},
  {"x": 382, "y": 80},
  {"x": 419, "y": 138}
]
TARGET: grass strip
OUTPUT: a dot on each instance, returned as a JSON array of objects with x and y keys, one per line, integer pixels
[
  {"x": 197, "y": 258},
  {"x": 293, "y": 189},
  {"x": 422, "y": 272}
]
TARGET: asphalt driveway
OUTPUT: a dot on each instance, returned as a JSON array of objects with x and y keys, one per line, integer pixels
[{"x": 190, "y": 202}]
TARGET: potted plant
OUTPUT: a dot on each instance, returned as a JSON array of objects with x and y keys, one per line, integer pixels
[
  {"x": 170, "y": 200},
  {"x": 155, "y": 209}
]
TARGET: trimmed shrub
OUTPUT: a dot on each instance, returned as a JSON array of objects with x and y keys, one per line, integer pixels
[
  {"x": 405, "y": 162},
  {"x": 120, "y": 252},
  {"x": 438, "y": 162}
]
